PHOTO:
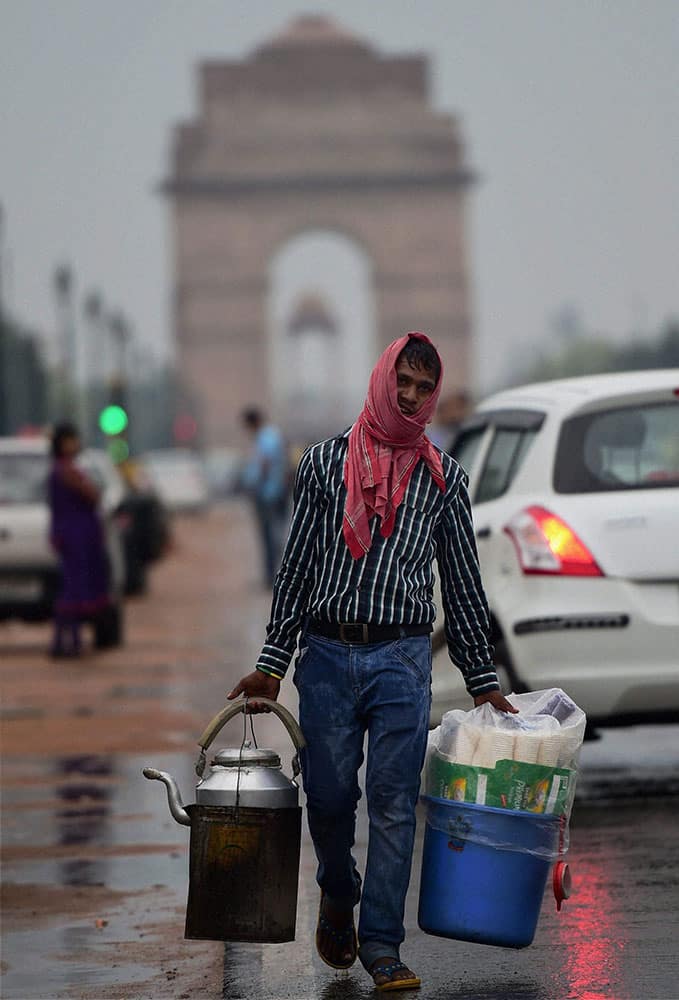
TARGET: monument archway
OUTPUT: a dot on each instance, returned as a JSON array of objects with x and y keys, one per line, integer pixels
[
  {"x": 315, "y": 131},
  {"x": 321, "y": 325}
]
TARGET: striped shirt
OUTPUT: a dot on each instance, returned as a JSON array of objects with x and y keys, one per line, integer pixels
[{"x": 393, "y": 584}]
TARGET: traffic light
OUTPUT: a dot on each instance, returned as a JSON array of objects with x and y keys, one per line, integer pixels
[
  {"x": 113, "y": 420},
  {"x": 184, "y": 428},
  {"x": 119, "y": 450}
]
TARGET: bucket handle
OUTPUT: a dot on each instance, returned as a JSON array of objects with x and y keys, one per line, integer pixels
[{"x": 220, "y": 720}]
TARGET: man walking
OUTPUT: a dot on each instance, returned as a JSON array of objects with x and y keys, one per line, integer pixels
[
  {"x": 265, "y": 477},
  {"x": 374, "y": 507}
]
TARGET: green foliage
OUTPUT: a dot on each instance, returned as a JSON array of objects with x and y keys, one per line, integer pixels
[
  {"x": 590, "y": 355},
  {"x": 23, "y": 379}
]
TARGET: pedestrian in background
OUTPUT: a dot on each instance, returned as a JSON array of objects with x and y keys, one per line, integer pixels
[
  {"x": 266, "y": 479},
  {"x": 451, "y": 411},
  {"x": 374, "y": 507},
  {"x": 77, "y": 535}
]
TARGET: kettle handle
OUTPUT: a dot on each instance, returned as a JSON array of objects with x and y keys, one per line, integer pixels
[{"x": 220, "y": 720}]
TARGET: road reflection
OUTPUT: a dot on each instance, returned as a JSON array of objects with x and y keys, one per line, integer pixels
[
  {"x": 594, "y": 937},
  {"x": 85, "y": 818},
  {"x": 591, "y": 932}
]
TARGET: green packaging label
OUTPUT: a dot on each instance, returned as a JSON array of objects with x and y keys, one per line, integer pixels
[
  {"x": 511, "y": 784},
  {"x": 460, "y": 782}
]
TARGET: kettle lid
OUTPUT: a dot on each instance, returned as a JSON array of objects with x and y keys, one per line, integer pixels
[{"x": 246, "y": 757}]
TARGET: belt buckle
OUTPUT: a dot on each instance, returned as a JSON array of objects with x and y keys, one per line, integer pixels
[{"x": 353, "y": 632}]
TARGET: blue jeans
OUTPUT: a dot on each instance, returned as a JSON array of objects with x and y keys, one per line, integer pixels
[{"x": 344, "y": 691}]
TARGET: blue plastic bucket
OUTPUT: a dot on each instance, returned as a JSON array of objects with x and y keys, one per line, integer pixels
[{"x": 484, "y": 872}]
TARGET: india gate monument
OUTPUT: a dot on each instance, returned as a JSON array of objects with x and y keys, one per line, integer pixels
[{"x": 317, "y": 204}]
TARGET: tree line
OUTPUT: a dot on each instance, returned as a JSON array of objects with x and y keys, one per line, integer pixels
[
  {"x": 35, "y": 394},
  {"x": 589, "y": 354}
]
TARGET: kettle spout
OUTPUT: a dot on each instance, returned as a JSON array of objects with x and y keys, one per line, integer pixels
[{"x": 174, "y": 798}]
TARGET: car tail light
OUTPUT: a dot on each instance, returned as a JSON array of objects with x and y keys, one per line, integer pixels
[{"x": 546, "y": 544}]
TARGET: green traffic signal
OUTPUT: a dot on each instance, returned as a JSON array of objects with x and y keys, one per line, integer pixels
[
  {"x": 113, "y": 420},
  {"x": 119, "y": 450}
]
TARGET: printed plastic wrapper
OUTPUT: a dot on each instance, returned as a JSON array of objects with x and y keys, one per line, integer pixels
[{"x": 525, "y": 763}]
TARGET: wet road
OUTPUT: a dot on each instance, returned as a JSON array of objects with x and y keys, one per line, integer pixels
[{"x": 95, "y": 869}]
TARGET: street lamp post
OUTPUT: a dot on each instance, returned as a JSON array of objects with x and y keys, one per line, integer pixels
[
  {"x": 94, "y": 348},
  {"x": 4, "y": 415},
  {"x": 67, "y": 350},
  {"x": 2, "y": 254},
  {"x": 121, "y": 336}
]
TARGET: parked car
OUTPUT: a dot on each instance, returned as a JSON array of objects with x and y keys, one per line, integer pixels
[
  {"x": 29, "y": 569},
  {"x": 179, "y": 478},
  {"x": 223, "y": 468},
  {"x": 575, "y": 496}
]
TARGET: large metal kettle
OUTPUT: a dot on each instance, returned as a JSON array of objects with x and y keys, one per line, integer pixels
[{"x": 245, "y": 837}]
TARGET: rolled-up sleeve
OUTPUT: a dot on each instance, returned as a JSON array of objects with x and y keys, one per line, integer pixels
[
  {"x": 467, "y": 619},
  {"x": 293, "y": 580}
]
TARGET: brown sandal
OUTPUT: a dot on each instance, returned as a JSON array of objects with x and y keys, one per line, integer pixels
[
  {"x": 344, "y": 937},
  {"x": 383, "y": 977}
]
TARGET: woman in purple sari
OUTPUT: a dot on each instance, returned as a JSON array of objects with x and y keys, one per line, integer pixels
[{"x": 76, "y": 532}]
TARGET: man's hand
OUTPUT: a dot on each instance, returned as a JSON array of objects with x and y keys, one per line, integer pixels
[
  {"x": 257, "y": 684},
  {"x": 497, "y": 700}
]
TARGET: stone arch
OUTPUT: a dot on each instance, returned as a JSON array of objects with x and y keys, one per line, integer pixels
[
  {"x": 314, "y": 131},
  {"x": 321, "y": 331}
]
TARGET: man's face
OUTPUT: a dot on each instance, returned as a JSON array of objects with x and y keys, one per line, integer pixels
[{"x": 414, "y": 387}]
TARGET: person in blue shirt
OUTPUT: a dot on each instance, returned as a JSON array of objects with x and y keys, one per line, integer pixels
[{"x": 265, "y": 478}]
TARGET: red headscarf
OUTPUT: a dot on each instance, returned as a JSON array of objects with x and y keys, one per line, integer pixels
[{"x": 384, "y": 448}]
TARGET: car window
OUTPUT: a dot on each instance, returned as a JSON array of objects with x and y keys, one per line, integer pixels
[
  {"x": 465, "y": 447},
  {"x": 23, "y": 478},
  {"x": 625, "y": 448},
  {"x": 503, "y": 461}
]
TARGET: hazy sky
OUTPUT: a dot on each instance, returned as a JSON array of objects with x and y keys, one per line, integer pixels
[{"x": 570, "y": 110}]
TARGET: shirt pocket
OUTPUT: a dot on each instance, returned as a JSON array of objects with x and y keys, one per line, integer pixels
[
  {"x": 423, "y": 494},
  {"x": 419, "y": 514}
]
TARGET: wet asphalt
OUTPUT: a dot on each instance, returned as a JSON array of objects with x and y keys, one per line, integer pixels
[{"x": 95, "y": 869}]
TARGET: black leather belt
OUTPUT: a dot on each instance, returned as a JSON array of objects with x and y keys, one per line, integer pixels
[{"x": 357, "y": 633}]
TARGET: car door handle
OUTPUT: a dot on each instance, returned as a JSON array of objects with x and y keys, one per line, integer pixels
[{"x": 483, "y": 532}]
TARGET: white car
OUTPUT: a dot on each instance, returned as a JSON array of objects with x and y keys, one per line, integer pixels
[
  {"x": 223, "y": 470},
  {"x": 575, "y": 495},
  {"x": 29, "y": 572},
  {"x": 178, "y": 477}
]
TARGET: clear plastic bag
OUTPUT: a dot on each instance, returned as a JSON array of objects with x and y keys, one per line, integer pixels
[
  {"x": 502, "y": 829},
  {"x": 525, "y": 763},
  {"x": 549, "y": 729}
]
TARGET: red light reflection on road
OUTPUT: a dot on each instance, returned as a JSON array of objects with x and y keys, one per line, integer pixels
[{"x": 591, "y": 933}]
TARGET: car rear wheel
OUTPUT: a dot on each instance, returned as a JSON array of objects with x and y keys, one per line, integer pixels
[{"x": 506, "y": 671}]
